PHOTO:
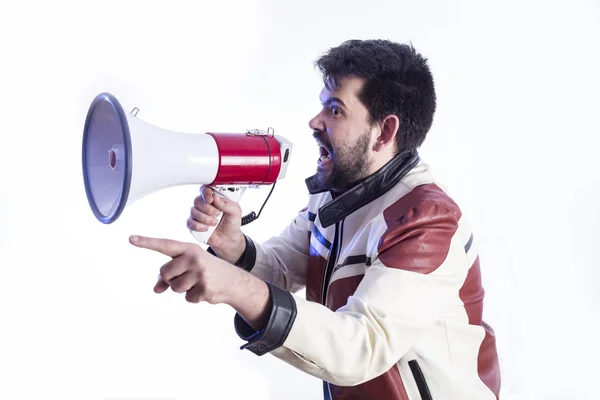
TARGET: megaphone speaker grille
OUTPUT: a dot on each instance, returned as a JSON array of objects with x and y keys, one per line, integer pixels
[{"x": 106, "y": 158}]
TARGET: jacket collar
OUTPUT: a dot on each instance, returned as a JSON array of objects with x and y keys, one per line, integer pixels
[{"x": 365, "y": 191}]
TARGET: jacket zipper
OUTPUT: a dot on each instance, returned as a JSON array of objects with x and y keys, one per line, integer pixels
[
  {"x": 420, "y": 380},
  {"x": 335, "y": 249}
]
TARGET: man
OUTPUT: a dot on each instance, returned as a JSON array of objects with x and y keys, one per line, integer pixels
[{"x": 393, "y": 306}]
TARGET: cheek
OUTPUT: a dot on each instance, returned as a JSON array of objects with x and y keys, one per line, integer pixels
[{"x": 339, "y": 138}]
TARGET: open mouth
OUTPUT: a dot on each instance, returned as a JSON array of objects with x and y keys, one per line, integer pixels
[
  {"x": 324, "y": 151},
  {"x": 325, "y": 155}
]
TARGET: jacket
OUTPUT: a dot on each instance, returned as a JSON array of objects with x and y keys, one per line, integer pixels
[{"x": 394, "y": 297}]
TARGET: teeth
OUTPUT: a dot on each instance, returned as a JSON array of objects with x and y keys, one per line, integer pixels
[{"x": 324, "y": 158}]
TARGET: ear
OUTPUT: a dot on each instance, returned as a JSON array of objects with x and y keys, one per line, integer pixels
[{"x": 387, "y": 137}]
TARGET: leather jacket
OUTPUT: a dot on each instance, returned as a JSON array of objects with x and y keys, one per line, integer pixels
[{"x": 394, "y": 298}]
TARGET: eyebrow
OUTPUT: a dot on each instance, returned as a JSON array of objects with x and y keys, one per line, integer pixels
[{"x": 334, "y": 100}]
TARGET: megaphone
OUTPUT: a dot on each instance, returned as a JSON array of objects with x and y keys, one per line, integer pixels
[{"x": 125, "y": 159}]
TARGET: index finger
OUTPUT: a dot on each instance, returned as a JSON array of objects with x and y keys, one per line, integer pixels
[
  {"x": 206, "y": 192},
  {"x": 171, "y": 248}
]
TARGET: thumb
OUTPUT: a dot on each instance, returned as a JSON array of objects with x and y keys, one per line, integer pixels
[{"x": 227, "y": 206}]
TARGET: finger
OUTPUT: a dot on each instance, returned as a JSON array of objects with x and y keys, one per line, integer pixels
[
  {"x": 196, "y": 226},
  {"x": 203, "y": 218},
  {"x": 206, "y": 193},
  {"x": 195, "y": 294},
  {"x": 226, "y": 205},
  {"x": 183, "y": 282},
  {"x": 161, "y": 285},
  {"x": 171, "y": 248},
  {"x": 202, "y": 206},
  {"x": 173, "y": 269}
]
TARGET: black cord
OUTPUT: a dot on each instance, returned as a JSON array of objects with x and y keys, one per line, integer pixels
[{"x": 252, "y": 216}]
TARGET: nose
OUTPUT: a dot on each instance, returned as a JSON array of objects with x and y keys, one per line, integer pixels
[{"x": 316, "y": 123}]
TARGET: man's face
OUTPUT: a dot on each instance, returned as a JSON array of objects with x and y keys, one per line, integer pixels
[{"x": 344, "y": 136}]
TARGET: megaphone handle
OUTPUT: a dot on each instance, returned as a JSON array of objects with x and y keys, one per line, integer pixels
[{"x": 235, "y": 194}]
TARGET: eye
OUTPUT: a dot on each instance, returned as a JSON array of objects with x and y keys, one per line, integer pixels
[{"x": 336, "y": 111}]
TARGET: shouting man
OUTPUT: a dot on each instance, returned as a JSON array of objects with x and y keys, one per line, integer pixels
[{"x": 394, "y": 299}]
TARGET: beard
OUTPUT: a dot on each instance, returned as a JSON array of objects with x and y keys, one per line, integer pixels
[{"x": 349, "y": 164}]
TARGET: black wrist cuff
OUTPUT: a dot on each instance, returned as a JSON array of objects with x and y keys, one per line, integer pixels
[
  {"x": 273, "y": 335},
  {"x": 248, "y": 257}
]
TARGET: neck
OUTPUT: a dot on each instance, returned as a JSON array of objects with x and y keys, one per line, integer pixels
[{"x": 380, "y": 162}]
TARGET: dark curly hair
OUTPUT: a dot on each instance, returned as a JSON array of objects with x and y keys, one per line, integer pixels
[{"x": 397, "y": 81}]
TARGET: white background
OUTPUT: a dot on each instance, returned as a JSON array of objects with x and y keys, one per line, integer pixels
[{"x": 515, "y": 139}]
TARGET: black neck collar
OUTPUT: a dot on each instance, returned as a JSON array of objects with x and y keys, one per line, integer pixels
[{"x": 365, "y": 191}]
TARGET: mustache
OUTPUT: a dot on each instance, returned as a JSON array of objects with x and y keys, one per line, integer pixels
[{"x": 322, "y": 137}]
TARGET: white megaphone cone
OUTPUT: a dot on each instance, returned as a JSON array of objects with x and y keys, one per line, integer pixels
[{"x": 125, "y": 159}]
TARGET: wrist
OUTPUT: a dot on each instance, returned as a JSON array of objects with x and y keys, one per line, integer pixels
[
  {"x": 238, "y": 248},
  {"x": 231, "y": 251},
  {"x": 250, "y": 297}
]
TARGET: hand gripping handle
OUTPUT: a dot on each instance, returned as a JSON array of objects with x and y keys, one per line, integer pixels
[{"x": 233, "y": 193}]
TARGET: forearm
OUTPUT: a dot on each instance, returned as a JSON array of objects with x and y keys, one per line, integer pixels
[
  {"x": 345, "y": 347},
  {"x": 250, "y": 297},
  {"x": 280, "y": 263},
  {"x": 336, "y": 347},
  {"x": 385, "y": 317},
  {"x": 274, "y": 261}
]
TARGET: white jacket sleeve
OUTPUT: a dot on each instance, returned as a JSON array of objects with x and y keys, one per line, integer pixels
[{"x": 281, "y": 260}]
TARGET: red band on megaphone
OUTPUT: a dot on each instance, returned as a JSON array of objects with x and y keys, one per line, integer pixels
[{"x": 247, "y": 159}]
